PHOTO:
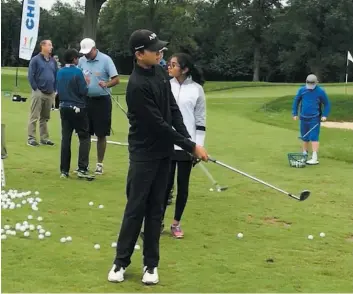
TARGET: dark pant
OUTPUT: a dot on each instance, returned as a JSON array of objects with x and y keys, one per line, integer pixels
[
  {"x": 183, "y": 179},
  {"x": 146, "y": 187},
  {"x": 56, "y": 102},
  {"x": 70, "y": 120},
  {"x": 100, "y": 115}
]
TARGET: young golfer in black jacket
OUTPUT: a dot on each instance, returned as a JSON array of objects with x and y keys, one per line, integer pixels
[{"x": 152, "y": 113}]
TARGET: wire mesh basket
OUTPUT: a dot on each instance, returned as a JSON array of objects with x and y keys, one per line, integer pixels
[{"x": 297, "y": 159}]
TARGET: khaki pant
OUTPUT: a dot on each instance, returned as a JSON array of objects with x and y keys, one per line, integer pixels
[{"x": 40, "y": 110}]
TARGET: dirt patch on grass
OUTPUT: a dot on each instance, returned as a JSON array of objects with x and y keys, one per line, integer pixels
[
  {"x": 338, "y": 125},
  {"x": 276, "y": 221},
  {"x": 350, "y": 239}
]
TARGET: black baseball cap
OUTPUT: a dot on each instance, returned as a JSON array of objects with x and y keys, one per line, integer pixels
[{"x": 146, "y": 40}]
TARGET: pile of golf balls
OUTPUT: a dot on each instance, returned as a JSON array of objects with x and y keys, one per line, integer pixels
[{"x": 13, "y": 199}]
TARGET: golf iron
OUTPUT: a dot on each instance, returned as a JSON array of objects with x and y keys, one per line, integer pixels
[
  {"x": 303, "y": 195},
  {"x": 308, "y": 132},
  {"x": 112, "y": 142},
  {"x": 214, "y": 182}
]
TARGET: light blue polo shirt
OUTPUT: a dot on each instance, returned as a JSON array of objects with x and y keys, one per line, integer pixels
[{"x": 101, "y": 68}]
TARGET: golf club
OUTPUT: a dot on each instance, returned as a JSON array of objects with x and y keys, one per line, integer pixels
[
  {"x": 214, "y": 182},
  {"x": 308, "y": 132},
  {"x": 112, "y": 142},
  {"x": 303, "y": 195}
]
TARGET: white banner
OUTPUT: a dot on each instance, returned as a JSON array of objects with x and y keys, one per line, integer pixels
[{"x": 29, "y": 28}]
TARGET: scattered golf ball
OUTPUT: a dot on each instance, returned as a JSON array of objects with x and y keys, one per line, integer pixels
[
  {"x": 30, "y": 217},
  {"x": 38, "y": 199},
  {"x": 219, "y": 190},
  {"x": 18, "y": 205},
  {"x": 7, "y": 227},
  {"x": 310, "y": 237},
  {"x": 69, "y": 239},
  {"x": 22, "y": 228},
  {"x": 25, "y": 223},
  {"x": 90, "y": 203},
  {"x": 240, "y": 235},
  {"x": 101, "y": 206},
  {"x": 39, "y": 218},
  {"x": 36, "y": 193},
  {"x": 2, "y": 231},
  {"x": 26, "y": 234},
  {"x": 3, "y": 237},
  {"x": 31, "y": 227},
  {"x": 211, "y": 189},
  {"x": 97, "y": 246},
  {"x": 40, "y": 236},
  {"x": 322, "y": 235},
  {"x": 114, "y": 244},
  {"x": 39, "y": 227},
  {"x": 24, "y": 202},
  {"x": 63, "y": 240},
  {"x": 47, "y": 234},
  {"x": 41, "y": 231},
  {"x": 13, "y": 233},
  {"x": 35, "y": 208},
  {"x": 8, "y": 232},
  {"x": 137, "y": 247}
]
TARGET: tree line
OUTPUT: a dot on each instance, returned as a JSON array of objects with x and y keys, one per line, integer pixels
[{"x": 258, "y": 40}]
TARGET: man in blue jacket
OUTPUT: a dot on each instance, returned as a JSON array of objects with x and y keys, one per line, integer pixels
[
  {"x": 72, "y": 91},
  {"x": 311, "y": 97}
]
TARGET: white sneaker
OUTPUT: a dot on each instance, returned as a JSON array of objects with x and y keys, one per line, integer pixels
[
  {"x": 116, "y": 274},
  {"x": 312, "y": 161},
  {"x": 99, "y": 169},
  {"x": 150, "y": 276}
]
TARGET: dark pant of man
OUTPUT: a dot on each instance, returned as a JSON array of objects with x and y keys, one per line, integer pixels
[
  {"x": 183, "y": 162},
  {"x": 70, "y": 120},
  {"x": 146, "y": 187}
]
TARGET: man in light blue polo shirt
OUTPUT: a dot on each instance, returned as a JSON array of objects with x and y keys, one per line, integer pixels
[{"x": 101, "y": 71}]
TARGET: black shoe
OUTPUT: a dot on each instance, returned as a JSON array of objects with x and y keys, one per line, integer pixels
[
  {"x": 142, "y": 236},
  {"x": 33, "y": 143},
  {"x": 84, "y": 174},
  {"x": 47, "y": 142},
  {"x": 170, "y": 201}
]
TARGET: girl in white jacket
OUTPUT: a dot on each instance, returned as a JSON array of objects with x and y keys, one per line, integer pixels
[{"x": 187, "y": 88}]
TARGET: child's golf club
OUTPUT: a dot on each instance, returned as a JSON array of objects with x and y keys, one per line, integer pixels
[{"x": 303, "y": 195}]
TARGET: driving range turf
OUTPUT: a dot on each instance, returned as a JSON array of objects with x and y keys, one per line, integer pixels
[{"x": 249, "y": 126}]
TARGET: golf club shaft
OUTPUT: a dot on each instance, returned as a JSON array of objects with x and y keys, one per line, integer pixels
[
  {"x": 205, "y": 170},
  {"x": 112, "y": 142},
  {"x": 253, "y": 178}
]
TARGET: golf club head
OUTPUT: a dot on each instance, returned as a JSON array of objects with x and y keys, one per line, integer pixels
[
  {"x": 224, "y": 188},
  {"x": 304, "y": 195}
]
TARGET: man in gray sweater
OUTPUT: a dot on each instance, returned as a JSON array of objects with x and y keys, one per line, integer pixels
[{"x": 42, "y": 77}]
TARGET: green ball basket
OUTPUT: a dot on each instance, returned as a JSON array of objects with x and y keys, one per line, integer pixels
[{"x": 297, "y": 160}]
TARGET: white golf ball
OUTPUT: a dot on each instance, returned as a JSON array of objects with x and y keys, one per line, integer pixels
[
  {"x": 97, "y": 246},
  {"x": 31, "y": 227},
  {"x": 40, "y": 236},
  {"x": 114, "y": 244},
  {"x": 36, "y": 193},
  {"x": 219, "y": 190},
  {"x": 47, "y": 234},
  {"x": 25, "y": 223},
  {"x": 38, "y": 199},
  {"x": 30, "y": 217},
  {"x": 5, "y": 206},
  {"x": 12, "y": 206},
  {"x": 3, "y": 237},
  {"x": 63, "y": 240},
  {"x": 39, "y": 227},
  {"x": 211, "y": 189},
  {"x": 101, "y": 206},
  {"x": 22, "y": 228},
  {"x": 35, "y": 208},
  {"x": 24, "y": 202},
  {"x": 26, "y": 234},
  {"x": 90, "y": 203},
  {"x": 13, "y": 233},
  {"x": 69, "y": 239},
  {"x": 240, "y": 235},
  {"x": 30, "y": 200},
  {"x": 137, "y": 247},
  {"x": 18, "y": 226},
  {"x": 310, "y": 237},
  {"x": 35, "y": 203},
  {"x": 18, "y": 205},
  {"x": 39, "y": 218},
  {"x": 41, "y": 231},
  {"x": 7, "y": 227},
  {"x": 322, "y": 235},
  {"x": 2, "y": 231}
]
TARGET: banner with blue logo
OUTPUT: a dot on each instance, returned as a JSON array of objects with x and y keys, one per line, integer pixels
[{"x": 29, "y": 28}]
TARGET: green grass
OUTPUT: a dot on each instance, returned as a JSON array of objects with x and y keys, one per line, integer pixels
[{"x": 210, "y": 258}]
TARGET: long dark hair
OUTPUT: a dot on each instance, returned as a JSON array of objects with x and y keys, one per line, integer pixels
[{"x": 186, "y": 61}]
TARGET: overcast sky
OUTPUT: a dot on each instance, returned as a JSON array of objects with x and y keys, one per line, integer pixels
[{"x": 47, "y": 4}]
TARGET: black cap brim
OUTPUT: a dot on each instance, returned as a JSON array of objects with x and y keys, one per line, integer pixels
[{"x": 158, "y": 46}]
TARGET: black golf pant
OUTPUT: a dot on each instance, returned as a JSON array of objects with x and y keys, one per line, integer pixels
[
  {"x": 70, "y": 120},
  {"x": 146, "y": 187},
  {"x": 183, "y": 179}
]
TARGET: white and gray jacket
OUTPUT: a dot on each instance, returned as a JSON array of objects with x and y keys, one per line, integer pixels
[{"x": 191, "y": 100}]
